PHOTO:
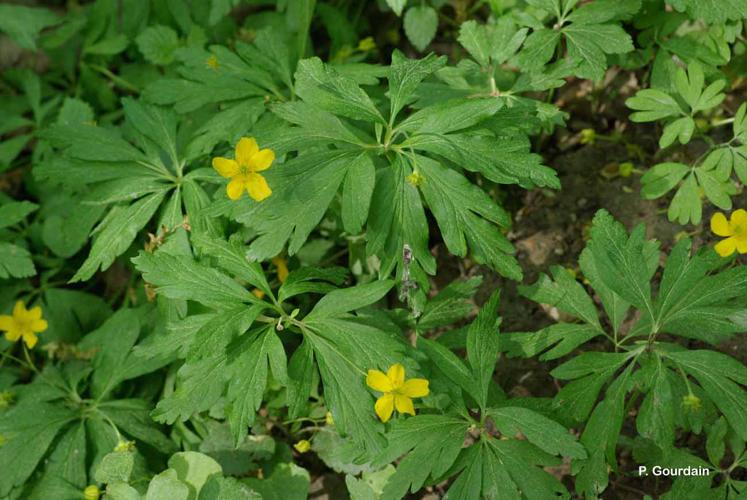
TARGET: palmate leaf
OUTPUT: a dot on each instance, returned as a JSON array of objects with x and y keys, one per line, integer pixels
[
  {"x": 592, "y": 32},
  {"x": 489, "y": 468},
  {"x": 696, "y": 299},
  {"x": 340, "y": 150},
  {"x": 135, "y": 173},
  {"x": 226, "y": 355}
]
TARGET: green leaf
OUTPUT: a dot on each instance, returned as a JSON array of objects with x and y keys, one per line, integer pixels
[
  {"x": 717, "y": 374},
  {"x": 695, "y": 302},
  {"x": 302, "y": 191},
  {"x": 287, "y": 482},
  {"x": 115, "y": 466},
  {"x": 320, "y": 85},
  {"x": 420, "y": 25},
  {"x": 450, "y": 365},
  {"x": 15, "y": 262},
  {"x": 656, "y": 416},
  {"x": 715, "y": 446},
  {"x": 108, "y": 46},
  {"x": 621, "y": 260},
  {"x": 181, "y": 277},
  {"x": 681, "y": 129},
  {"x": 450, "y": 116},
  {"x": 652, "y": 105},
  {"x": 538, "y": 49},
  {"x": 199, "y": 386},
  {"x": 433, "y": 443},
  {"x": 504, "y": 159},
  {"x": 132, "y": 416},
  {"x": 556, "y": 340},
  {"x": 247, "y": 373},
  {"x": 194, "y": 468},
  {"x": 15, "y": 211},
  {"x": 450, "y": 304},
  {"x": 397, "y": 218},
  {"x": 231, "y": 257},
  {"x": 116, "y": 232},
  {"x": 397, "y": 5},
  {"x": 356, "y": 193},
  {"x": 23, "y": 24},
  {"x": 662, "y": 178},
  {"x": 686, "y": 205},
  {"x": 718, "y": 188},
  {"x": 167, "y": 485},
  {"x": 227, "y": 487},
  {"x": 565, "y": 293},
  {"x": 542, "y": 432},
  {"x": 588, "y": 45},
  {"x": 466, "y": 215},
  {"x": 29, "y": 430},
  {"x": 405, "y": 75},
  {"x": 483, "y": 345},
  {"x": 712, "y": 11},
  {"x": 345, "y": 349},
  {"x": 158, "y": 44},
  {"x": 337, "y": 302}
]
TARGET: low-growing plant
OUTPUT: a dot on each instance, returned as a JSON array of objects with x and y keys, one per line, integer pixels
[{"x": 271, "y": 249}]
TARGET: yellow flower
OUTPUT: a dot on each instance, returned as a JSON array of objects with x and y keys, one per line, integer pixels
[
  {"x": 328, "y": 419},
  {"x": 735, "y": 231},
  {"x": 398, "y": 392},
  {"x": 302, "y": 446},
  {"x": 243, "y": 170},
  {"x": 212, "y": 62},
  {"x": 23, "y": 323},
  {"x": 281, "y": 265},
  {"x": 691, "y": 402},
  {"x": 366, "y": 44},
  {"x": 92, "y": 492},
  {"x": 258, "y": 293}
]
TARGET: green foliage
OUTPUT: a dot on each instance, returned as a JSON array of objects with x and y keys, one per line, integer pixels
[
  {"x": 697, "y": 299},
  {"x": 162, "y": 339}
]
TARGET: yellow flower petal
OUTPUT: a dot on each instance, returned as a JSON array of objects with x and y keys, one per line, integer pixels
[
  {"x": 257, "y": 187},
  {"x": 35, "y": 313},
  {"x": 235, "y": 188},
  {"x": 225, "y": 167},
  {"x": 415, "y": 388},
  {"x": 396, "y": 374},
  {"x": 726, "y": 247},
  {"x": 739, "y": 219},
  {"x": 13, "y": 335},
  {"x": 30, "y": 339},
  {"x": 19, "y": 310},
  {"x": 245, "y": 149},
  {"x": 720, "y": 226},
  {"x": 378, "y": 381},
  {"x": 262, "y": 160},
  {"x": 39, "y": 325},
  {"x": 6, "y": 323},
  {"x": 404, "y": 404},
  {"x": 384, "y": 407},
  {"x": 742, "y": 244}
]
